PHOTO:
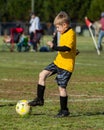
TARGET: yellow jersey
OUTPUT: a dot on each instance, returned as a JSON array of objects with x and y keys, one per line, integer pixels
[{"x": 66, "y": 60}]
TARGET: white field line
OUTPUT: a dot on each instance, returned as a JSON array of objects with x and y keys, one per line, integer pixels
[
  {"x": 88, "y": 82},
  {"x": 80, "y": 100},
  {"x": 49, "y": 100},
  {"x": 83, "y": 95},
  {"x": 6, "y": 80},
  {"x": 81, "y": 82},
  {"x": 89, "y": 98},
  {"x": 83, "y": 41},
  {"x": 55, "y": 94},
  {"x": 88, "y": 64}
]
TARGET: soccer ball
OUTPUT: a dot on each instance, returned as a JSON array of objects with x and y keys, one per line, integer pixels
[{"x": 22, "y": 107}]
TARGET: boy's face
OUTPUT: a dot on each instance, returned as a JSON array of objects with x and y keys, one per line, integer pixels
[{"x": 62, "y": 28}]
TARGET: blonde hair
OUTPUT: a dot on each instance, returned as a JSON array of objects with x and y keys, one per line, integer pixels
[{"x": 61, "y": 18}]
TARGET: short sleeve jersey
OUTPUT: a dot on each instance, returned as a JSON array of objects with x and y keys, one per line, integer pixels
[{"x": 66, "y": 60}]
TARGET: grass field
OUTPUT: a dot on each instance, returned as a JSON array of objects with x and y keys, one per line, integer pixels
[{"x": 18, "y": 79}]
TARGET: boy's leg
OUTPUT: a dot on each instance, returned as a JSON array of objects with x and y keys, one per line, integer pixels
[
  {"x": 62, "y": 80},
  {"x": 39, "y": 100},
  {"x": 63, "y": 103},
  {"x": 63, "y": 98}
]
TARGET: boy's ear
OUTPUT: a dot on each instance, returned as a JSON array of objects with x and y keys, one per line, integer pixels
[{"x": 64, "y": 24}]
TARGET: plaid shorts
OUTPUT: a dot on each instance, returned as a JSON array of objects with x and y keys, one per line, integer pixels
[{"x": 63, "y": 76}]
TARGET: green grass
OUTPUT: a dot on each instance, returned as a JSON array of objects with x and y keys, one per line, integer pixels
[{"x": 18, "y": 79}]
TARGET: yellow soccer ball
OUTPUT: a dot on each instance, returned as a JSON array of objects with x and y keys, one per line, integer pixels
[{"x": 22, "y": 107}]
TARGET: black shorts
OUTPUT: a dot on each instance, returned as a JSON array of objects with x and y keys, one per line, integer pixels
[{"x": 63, "y": 76}]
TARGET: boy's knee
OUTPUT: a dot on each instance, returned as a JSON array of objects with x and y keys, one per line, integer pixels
[
  {"x": 41, "y": 75},
  {"x": 62, "y": 91}
]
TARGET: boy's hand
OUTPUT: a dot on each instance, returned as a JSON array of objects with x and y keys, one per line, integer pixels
[{"x": 50, "y": 44}]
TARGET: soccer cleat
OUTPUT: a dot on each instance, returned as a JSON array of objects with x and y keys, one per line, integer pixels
[
  {"x": 36, "y": 102},
  {"x": 62, "y": 113}
]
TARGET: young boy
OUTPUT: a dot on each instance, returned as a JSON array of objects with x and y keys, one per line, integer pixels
[{"x": 63, "y": 65}]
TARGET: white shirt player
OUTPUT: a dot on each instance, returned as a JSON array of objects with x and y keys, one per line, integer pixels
[{"x": 34, "y": 24}]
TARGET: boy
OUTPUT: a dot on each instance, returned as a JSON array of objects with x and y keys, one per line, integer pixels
[{"x": 63, "y": 65}]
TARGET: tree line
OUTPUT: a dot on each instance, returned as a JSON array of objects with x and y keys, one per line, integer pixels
[{"x": 13, "y": 10}]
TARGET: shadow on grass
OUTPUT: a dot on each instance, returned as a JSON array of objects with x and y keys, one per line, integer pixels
[
  {"x": 5, "y": 105},
  {"x": 38, "y": 114},
  {"x": 87, "y": 114},
  {"x": 71, "y": 115}
]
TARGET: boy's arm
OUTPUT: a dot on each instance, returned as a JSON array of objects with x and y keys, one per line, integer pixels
[
  {"x": 58, "y": 48},
  {"x": 64, "y": 48},
  {"x": 61, "y": 48}
]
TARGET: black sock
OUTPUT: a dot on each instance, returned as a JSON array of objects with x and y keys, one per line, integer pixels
[
  {"x": 63, "y": 102},
  {"x": 40, "y": 91}
]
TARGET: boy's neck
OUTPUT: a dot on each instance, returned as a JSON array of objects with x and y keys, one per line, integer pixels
[{"x": 67, "y": 29}]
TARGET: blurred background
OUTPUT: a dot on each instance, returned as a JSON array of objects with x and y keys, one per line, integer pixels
[{"x": 18, "y": 11}]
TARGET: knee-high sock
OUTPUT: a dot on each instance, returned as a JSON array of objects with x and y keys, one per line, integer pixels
[
  {"x": 63, "y": 102},
  {"x": 40, "y": 91}
]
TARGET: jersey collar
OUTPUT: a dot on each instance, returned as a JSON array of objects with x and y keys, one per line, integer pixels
[{"x": 67, "y": 30}]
